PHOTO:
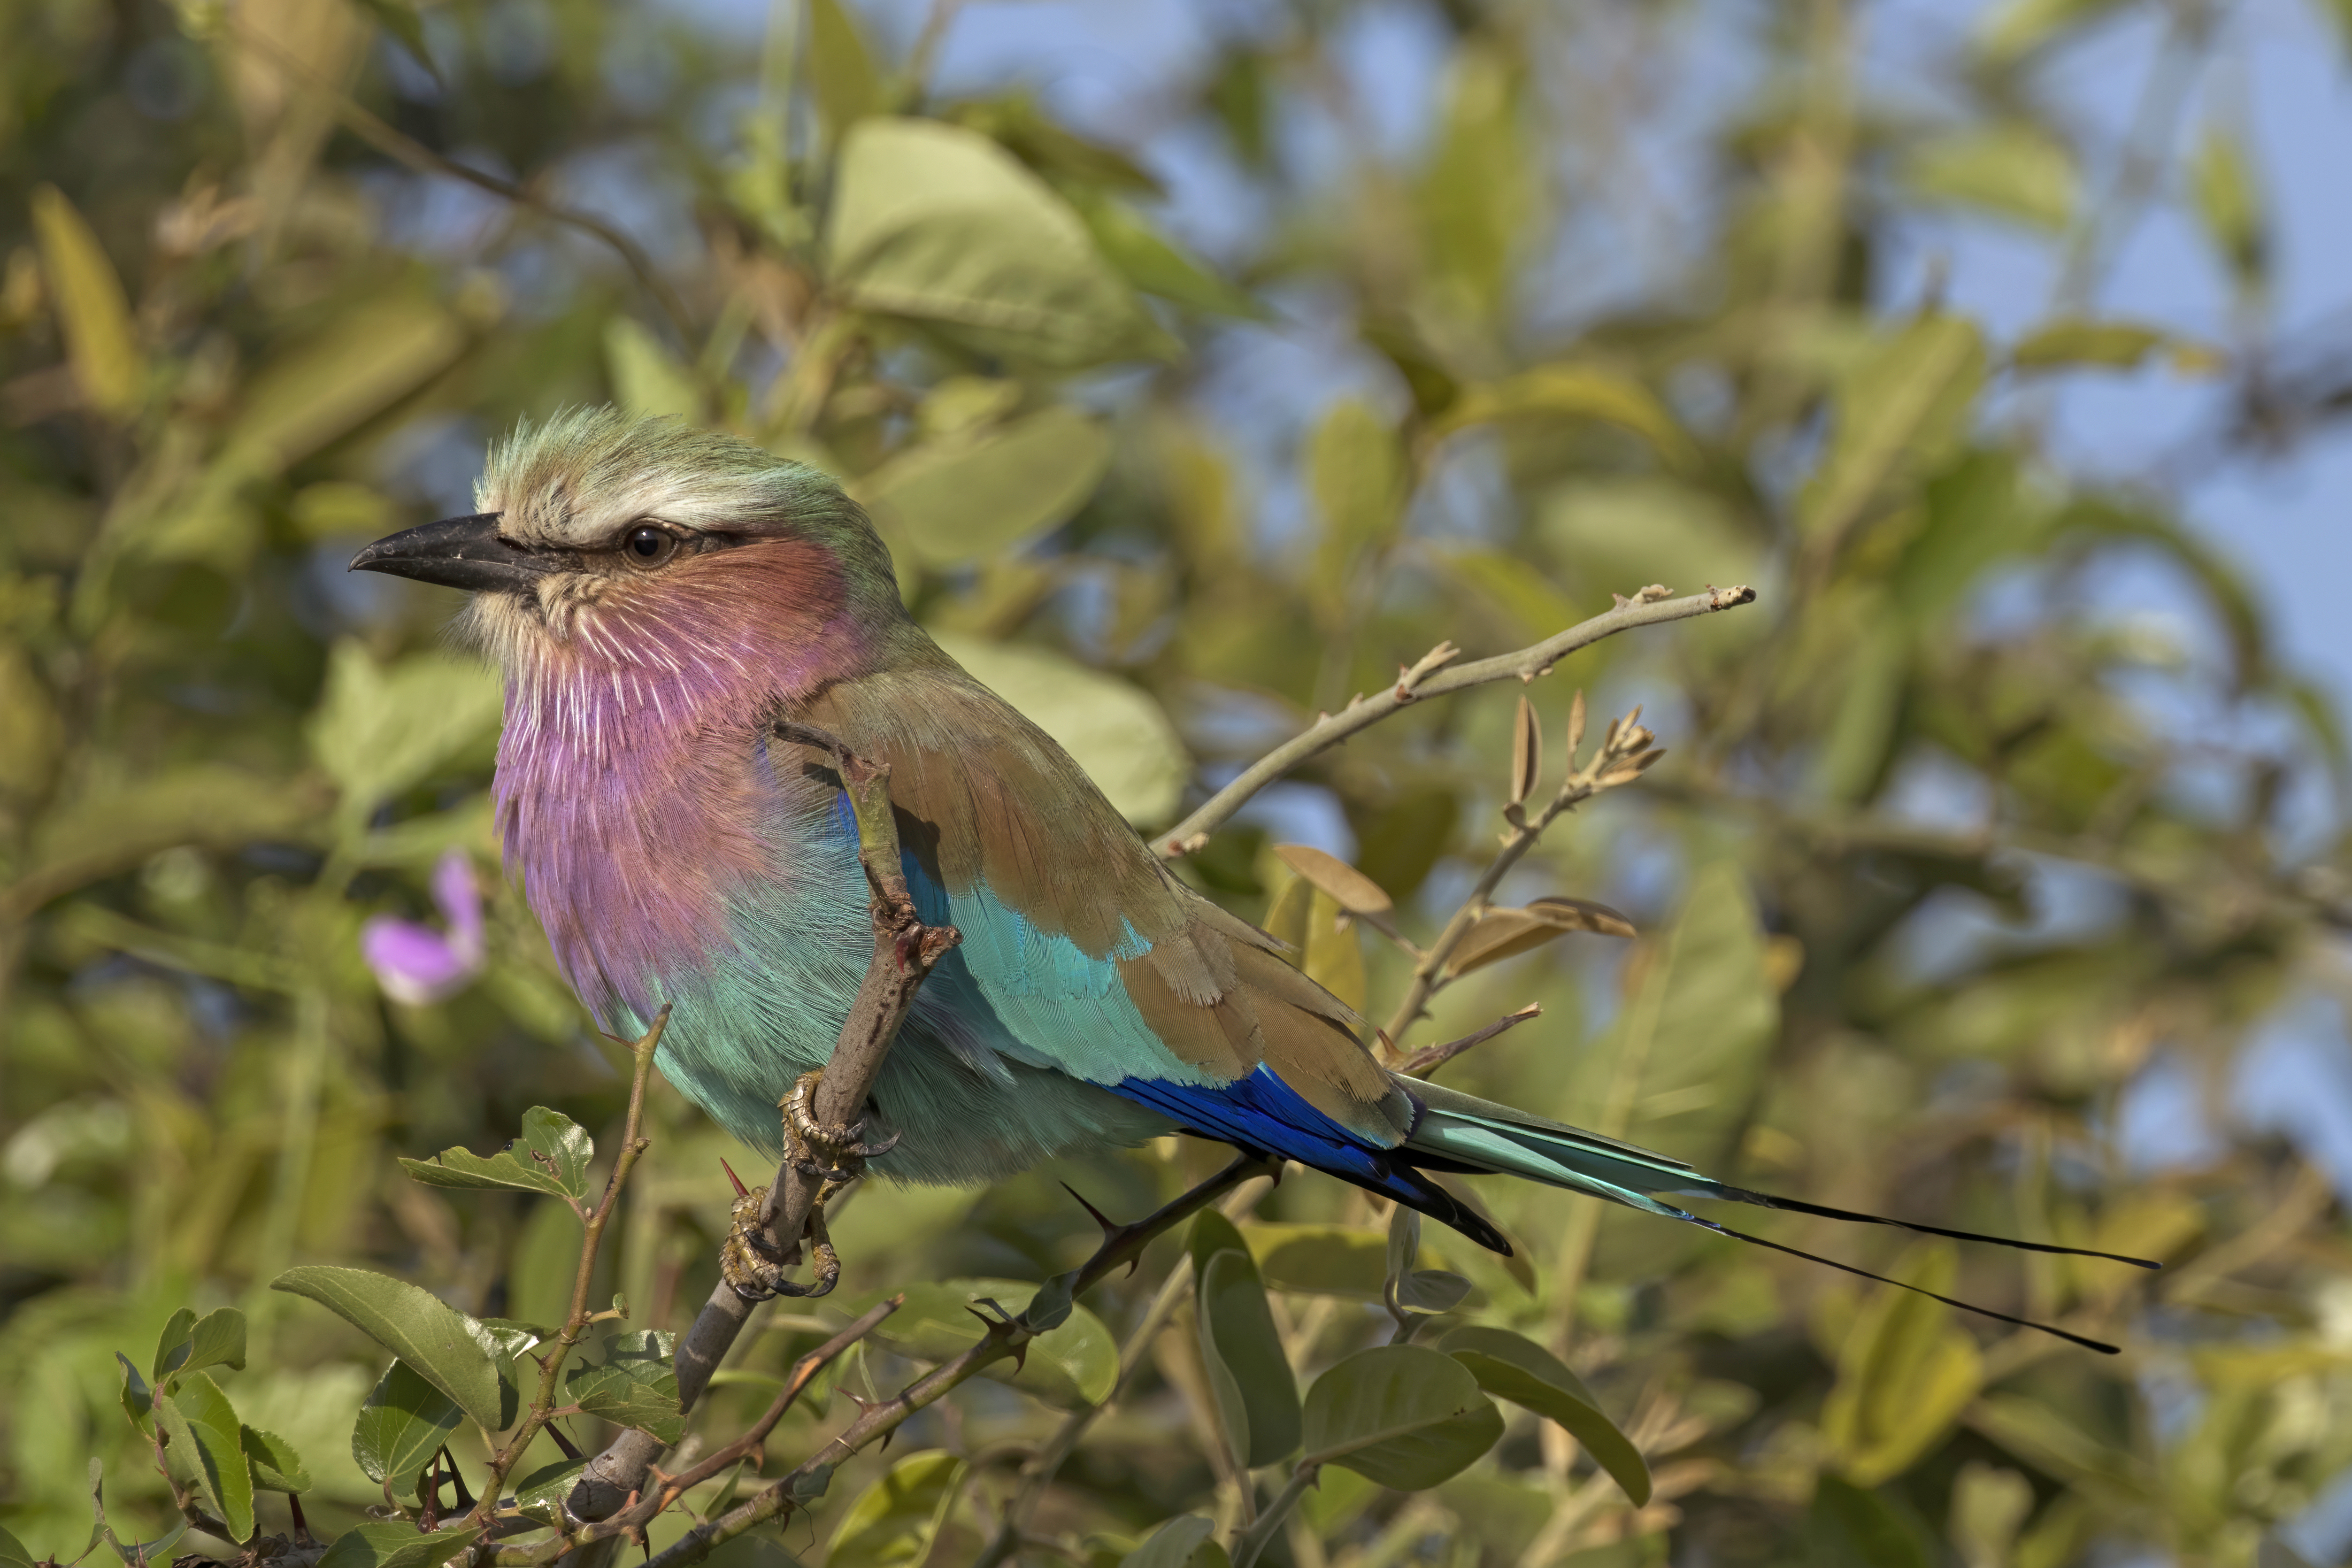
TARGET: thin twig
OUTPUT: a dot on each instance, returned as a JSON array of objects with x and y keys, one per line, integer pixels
[
  {"x": 576, "y": 1321},
  {"x": 1361, "y": 714},
  {"x": 903, "y": 953},
  {"x": 402, "y": 148},
  {"x": 1429, "y": 1059},
  {"x": 1002, "y": 1338}
]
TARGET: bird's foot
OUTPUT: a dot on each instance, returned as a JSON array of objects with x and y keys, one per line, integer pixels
[
  {"x": 834, "y": 1154},
  {"x": 755, "y": 1267}
]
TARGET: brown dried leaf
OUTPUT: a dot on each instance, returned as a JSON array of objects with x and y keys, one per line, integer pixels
[
  {"x": 1507, "y": 932},
  {"x": 1575, "y": 728},
  {"x": 1350, "y": 889},
  {"x": 1526, "y": 752},
  {"x": 1633, "y": 767}
]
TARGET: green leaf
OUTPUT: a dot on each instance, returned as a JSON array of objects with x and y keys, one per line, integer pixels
[
  {"x": 1257, "y": 1397},
  {"x": 115, "y": 828},
  {"x": 1850, "y": 1527},
  {"x": 1480, "y": 195},
  {"x": 2012, "y": 28},
  {"x": 893, "y": 1523},
  {"x": 396, "y": 1546},
  {"x": 172, "y": 1347},
  {"x": 1515, "y": 1368},
  {"x": 1111, "y": 727},
  {"x": 1405, "y": 1415},
  {"x": 1901, "y": 410},
  {"x": 1356, "y": 474},
  {"x": 1571, "y": 391},
  {"x": 1618, "y": 532},
  {"x": 1320, "y": 1259},
  {"x": 1431, "y": 1291},
  {"x": 1073, "y": 1366},
  {"x": 551, "y": 1157},
  {"x": 2011, "y": 168},
  {"x": 634, "y": 1384},
  {"x": 401, "y": 1426},
  {"x": 2112, "y": 345},
  {"x": 92, "y": 314},
  {"x": 841, "y": 69},
  {"x": 1150, "y": 261},
  {"x": 404, "y": 24},
  {"x": 205, "y": 1449},
  {"x": 447, "y": 1349},
  {"x": 216, "y": 1340},
  {"x": 1691, "y": 1037},
  {"x": 966, "y": 496},
  {"x": 2227, "y": 194},
  {"x": 1182, "y": 1543},
  {"x": 647, "y": 381},
  {"x": 1905, "y": 1372},
  {"x": 368, "y": 359},
  {"x": 541, "y": 1493},
  {"x": 12, "y": 1552},
  {"x": 138, "y": 1399},
  {"x": 939, "y": 224},
  {"x": 276, "y": 1468},
  {"x": 380, "y": 731},
  {"x": 1981, "y": 510}
]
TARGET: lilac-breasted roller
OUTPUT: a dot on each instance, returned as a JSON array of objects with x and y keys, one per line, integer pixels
[{"x": 658, "y": 598}]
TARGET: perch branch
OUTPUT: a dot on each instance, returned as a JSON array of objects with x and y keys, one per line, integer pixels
[
  {"x": 1425, "y": 680},
  {"x": 904, "y": 952}
]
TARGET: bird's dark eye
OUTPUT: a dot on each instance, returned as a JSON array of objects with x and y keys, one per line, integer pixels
[{"x": 648, "y": 546}]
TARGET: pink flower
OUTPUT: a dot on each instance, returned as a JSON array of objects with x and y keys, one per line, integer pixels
[{"x": 418, "y": 966}]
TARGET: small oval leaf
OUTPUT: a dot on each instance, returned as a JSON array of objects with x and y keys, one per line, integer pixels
[
  {"x": 1403, "y": 1415},
  {"x": 1503, "y": 933},
  {"x": 1517, "y": 1369},
  {"x": 1527, "y": 751},
  {"x": 401, "y": 1426},
  {"x": 1182, "y": 1543}
]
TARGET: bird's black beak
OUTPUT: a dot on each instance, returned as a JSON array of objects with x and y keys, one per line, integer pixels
[{"x": 457, "y": 552}]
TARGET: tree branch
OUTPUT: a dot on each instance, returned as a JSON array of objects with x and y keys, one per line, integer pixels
[{"x": 1425, "y": 682}]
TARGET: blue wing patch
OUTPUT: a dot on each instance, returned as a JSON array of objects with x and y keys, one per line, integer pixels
[{"x": 1263, "y": 1112}]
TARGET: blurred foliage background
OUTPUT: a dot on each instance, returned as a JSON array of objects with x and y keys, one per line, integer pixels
[{"x": 1956, "y": 854}]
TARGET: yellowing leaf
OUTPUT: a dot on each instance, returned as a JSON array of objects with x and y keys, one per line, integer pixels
[
  {"x": 2111, "y": 345},
  {"x": 1353, "y": 891},
  {"x": 1905, "y": 1371},
  {"x": 1503, "y": 933},
  {"x": 92, "y": 310}
]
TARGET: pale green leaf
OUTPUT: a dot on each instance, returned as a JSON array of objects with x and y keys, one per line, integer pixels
[
  {"x": 379, "y": 730},
  {"x": 841, "y": 68},
  {"x": 2011, "y": 168},
  {"x": 938, "y": 223},
  {"x": 966, "y": 496},
  {"x": 94, "y": 316},
  {"x": 647, "y": 380},
  {"x": 1571, "y": 391},
  {"x": 1154, "y": 263},
  {"x": 1113, "y": 730},
  {"x": 2227, "y": 195},
  {"x": 893, "y": 1523},
  {"x": 1901, "y": 410},
  {"x": 216, "y": 1339},
  {"x": 172, "y": 1345},
  {"x": 13, "y": 1553},
  {"x": 1905, "y": 1372},
  {"x": 449, "y": 1349},
  {"x": 370, "y": 357},
  {"x": 551, "y": 1157},
  {"x": 2073, "y": 341}
]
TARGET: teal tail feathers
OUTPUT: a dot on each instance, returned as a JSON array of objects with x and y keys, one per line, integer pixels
[{"x": 1460, "y": 1132}]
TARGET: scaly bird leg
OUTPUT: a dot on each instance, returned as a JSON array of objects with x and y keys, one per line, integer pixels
[{"x": 835, "y": 1155}]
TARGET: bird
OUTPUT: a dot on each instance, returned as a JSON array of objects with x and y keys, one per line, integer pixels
[{"x": 659, "y": 598}]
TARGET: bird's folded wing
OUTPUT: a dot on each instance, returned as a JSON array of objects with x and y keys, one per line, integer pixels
[{"x": 1097, "y": 960}]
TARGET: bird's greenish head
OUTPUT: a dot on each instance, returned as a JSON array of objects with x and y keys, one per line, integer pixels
[{"x": 595, "y": 521}]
